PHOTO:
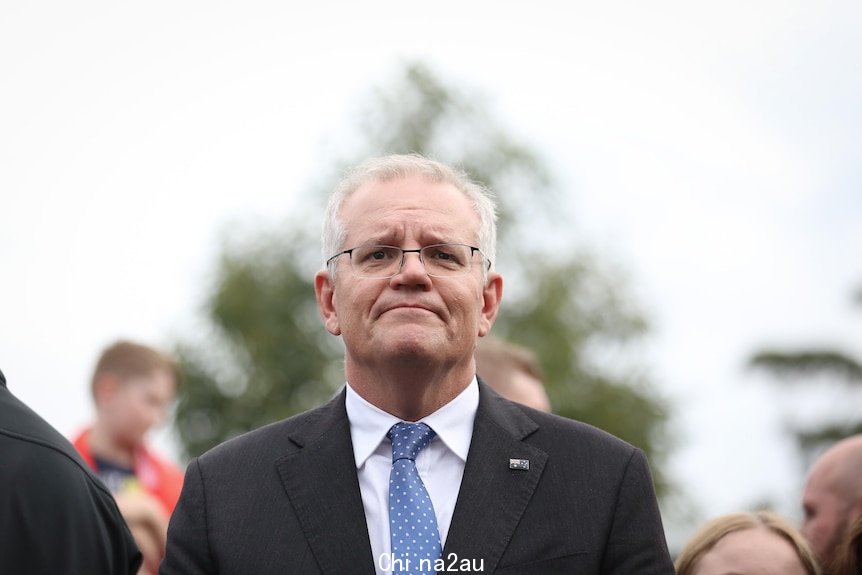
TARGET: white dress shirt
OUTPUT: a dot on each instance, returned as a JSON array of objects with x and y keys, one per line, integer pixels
[{"x": 440, "y": 464}]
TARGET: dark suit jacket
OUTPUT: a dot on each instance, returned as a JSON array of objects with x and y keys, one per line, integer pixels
[
  {"x": 55, "y": 515},
  {"x": 285, "y": 499}
]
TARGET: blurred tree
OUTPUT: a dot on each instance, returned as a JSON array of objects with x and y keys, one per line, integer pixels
[
  {"x": 265, "y": 356},
  {"x": 808, "y": 367},
  {"x": 269, "y": 357}
]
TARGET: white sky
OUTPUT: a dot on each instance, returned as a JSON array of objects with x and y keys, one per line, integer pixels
[{"x": 713, "y": 149}]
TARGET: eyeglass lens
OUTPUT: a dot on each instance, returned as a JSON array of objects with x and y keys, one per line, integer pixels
[{"x": 386, "y": 261}]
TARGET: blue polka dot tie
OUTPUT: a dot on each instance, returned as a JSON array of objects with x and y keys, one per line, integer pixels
[{"x": 412, "y": 522}]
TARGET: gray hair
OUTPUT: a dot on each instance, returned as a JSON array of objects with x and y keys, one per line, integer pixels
[{"x": 395, "y": 167}]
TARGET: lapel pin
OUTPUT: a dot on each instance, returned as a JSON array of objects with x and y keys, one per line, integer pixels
[{"x": 521, "y": 464}]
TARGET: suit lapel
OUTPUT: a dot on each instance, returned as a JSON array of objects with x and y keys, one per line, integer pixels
[
  {"x": 319, "y": 476},
  {"x": 493, "y": 497}
]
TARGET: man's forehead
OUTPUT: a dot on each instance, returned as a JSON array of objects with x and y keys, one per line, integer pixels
[
  {"x": 406, "y": 190},
  {"x": 399, "y": 207}
]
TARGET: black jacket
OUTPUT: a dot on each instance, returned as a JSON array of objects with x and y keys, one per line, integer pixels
[{"x": 55, "y": 515}]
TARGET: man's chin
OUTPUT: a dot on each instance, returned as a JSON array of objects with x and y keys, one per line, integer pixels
[
  {"x": 409, "y": 324},
  {"x": 408, "y": 342}
]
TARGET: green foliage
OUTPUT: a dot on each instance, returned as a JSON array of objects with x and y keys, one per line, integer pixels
[
  {"x": 813, "y": 367},
  {"x": 812, "y": 441},
  {"x": 796, "y": 365},
  {"x": 269, "y": 356}
]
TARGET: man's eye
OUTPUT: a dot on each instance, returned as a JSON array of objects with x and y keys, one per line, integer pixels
[
  {"x": 446, "y": 256},
  {"x": 375, "y": 255}
]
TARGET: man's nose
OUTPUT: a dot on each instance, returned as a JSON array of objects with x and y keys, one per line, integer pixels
[
  {"x": 412, "y": 261},
  {"x": 412, "y": 269}
]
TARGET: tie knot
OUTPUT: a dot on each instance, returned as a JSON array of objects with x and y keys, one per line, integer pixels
[{"x": 408, "y": 439}]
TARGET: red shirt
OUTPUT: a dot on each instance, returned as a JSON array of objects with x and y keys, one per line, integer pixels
[{"x": 160, "y": 478}]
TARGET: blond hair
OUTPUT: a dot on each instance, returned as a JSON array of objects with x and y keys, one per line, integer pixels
[
  {"x": 710, "y": 534},
  {"x": 848, "y": 558}
]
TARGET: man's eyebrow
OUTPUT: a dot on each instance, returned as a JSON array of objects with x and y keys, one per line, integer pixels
[{"x": 426, "y": 239}]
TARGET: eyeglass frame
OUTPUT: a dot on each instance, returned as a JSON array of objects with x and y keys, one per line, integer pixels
[{"x": 418, "y": 252}]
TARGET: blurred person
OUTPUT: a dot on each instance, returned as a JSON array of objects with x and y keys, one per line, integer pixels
[
  {"x": 760, "y": 543},
  {"x": 848, "y": 557},
  {"x": 133, "y": 386},
  {"x": 409, "y": 286},
  {"x": 832, "y": 499},
  {"x": 512, "y": 371},
  {"x": 55, "y": 515}
]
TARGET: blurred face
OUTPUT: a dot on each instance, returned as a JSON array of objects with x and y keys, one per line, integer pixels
[
  {"x": 756, "y": 551},
  {"x": 131, "y": 408},
  {"x": 410, "y": 316},
  {"x": 827, "y": 516}
]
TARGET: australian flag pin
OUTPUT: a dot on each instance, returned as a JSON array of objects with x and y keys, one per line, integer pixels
[{"x": 522, "y": 464}]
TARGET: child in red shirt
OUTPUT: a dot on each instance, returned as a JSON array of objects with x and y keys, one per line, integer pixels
[{"x": 133, "y": 387}]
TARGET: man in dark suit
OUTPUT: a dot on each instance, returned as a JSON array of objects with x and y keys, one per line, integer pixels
[
  {"x": 415, "y": 443},
  {"x": 55, "y": 516}
]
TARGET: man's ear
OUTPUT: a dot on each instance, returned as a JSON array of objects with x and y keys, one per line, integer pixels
[
  {"x": 492, "y": 293},
  {"x": 324, "y": 289}
]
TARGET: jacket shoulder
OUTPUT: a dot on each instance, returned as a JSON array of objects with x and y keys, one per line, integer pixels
[
  {"x": 569, "y": 429},
  {"x": 549, "y": 431},
  {"x": 276, "y": 439}
]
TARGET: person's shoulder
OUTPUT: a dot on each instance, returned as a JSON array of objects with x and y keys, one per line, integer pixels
[
  {"x": 279, "y": 437},
  {"x": 29, "y": 460},
  {"x": 558, "y": 434},
  {"x": 572, "y": 444},
  {"x": 44, "y": 462},
  {"x": 46, "y": 481},
  {"x": 557, "y": 424},
  {"x": 37, "y": 447}
]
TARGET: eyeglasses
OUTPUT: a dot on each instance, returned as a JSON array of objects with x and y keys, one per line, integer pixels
[{"x": 440, "y": 260}]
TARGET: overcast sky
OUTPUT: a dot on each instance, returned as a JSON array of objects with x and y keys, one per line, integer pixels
[{"x": 713, "y": 150}]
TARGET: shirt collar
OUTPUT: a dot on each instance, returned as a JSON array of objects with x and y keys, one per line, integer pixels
[{"x": 453, "y": 423}]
